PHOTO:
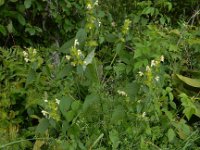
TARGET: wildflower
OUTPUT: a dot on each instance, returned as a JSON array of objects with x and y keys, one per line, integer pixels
[
  {"x": 162, "y": 58},
  {"x": 45, "y": 100},
  {"x": 76, "y": 42},
  {"x": 99, "y": 23},
  {"x": 89, "y": 6},
  {"x": 26, "y": 59},
  {"x": 25, "y": 54},
  {"x": 45, "y": 113},
  {"x": 68, "y": 57},
  {"x": 34, "y": 51},
  {"x": 79, "y": 52},
  {"x": 57, "y": 101},
  {"x": 140, "y": 73},
  {"x": 96, "y": 3},
  {"x": 157, "y": 78},
  {"x": 154, "y": 63},
  {"x": 143, "y": 114},
  {"x": 122, "y": 93},
  {"x": 148, "y": 69},
  {"x": 113, "y": 24}
]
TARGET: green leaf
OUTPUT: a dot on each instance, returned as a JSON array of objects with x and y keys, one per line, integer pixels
[
  {"x": 27, "y": 3},
  {"x": 31, "y": 77},
  {"x": 43, "y": 126},
  {"x": 10, "y": 27},
  {"x": 88, "y": 59},
  {"x": 65, "y": 104},
  {"x": 114, "y": 138},
  {"x": 81, "y": 35},
  {"x": 118, "y": 114},
  {"x": 3, "y": 30},
  {"x": 65, "y": 48},
  {"x": 2, "y": 2},
  {"x": 89, "y": 101},
  {"x": 13, "y": 0},
  {"x": 76, "y": 105},
  {"x": 70, "y": 115},
  {"x": 21, "y": 19},
  {"x": 189, "y": 81},
  {"x": 171, "y": 135}
]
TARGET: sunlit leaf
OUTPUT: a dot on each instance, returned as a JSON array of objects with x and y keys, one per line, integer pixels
[{"x": 189, "y": 81}]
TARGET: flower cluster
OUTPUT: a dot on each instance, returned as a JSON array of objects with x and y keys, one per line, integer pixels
[
  {"x": 154, "y": 65},
  {"x": 51, "y": 109}
]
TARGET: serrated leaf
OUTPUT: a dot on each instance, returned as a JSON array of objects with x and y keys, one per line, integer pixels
[
  {"x": 189, "y": 81},
  {"x": 171, "y": 135},
  {"x": 27, "y": 3},
  {"x": 21, "y": 19},
  {"x": 43, "y": 126}
]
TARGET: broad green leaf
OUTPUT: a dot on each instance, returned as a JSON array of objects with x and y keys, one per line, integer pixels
[
  {"x": 27, "y": 3},
  {"x": 65, "y": 104},
  {"x": 114, "y": 138},
  {"x": 189, "y": 81},
  {"x": 3, "y": 30},
  {"x": 171, "y": 135},
  {"x": 65, "y": 48},
  {"x": 76, "y": 105},
  {"x": 31, "y": 77},
  {"x": 88, "y": 59},
  {"x": 70, "y": 115},
  {"x": 43, "y": 126},
  {"x": 118, "y": 114},
  {"x": 81, "y": 35},
  {"x": 2, "y": 2},
  {"x": 10, "y": 27},
  {"x": 21, "y": 19},
  {"x": 89, "y": 101},
  {"x": 31, "y": 31}
]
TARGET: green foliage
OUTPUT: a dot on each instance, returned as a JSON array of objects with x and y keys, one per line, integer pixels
[{"x": 108, "y": 80}]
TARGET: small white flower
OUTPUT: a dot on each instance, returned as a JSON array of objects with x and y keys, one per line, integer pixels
[
  {"x": 57, "y": 101},
  {"x": 148, "y": 69},
  {"x": 157, "y": 78},
  {"x": 143, "y": 114},
  {"x": 45, "y": 100},
  {"x": 25, "y": 54},
  {"x": 113, "y": 24},
  {"x": 99, "y": 23},
  {"x": 76, "y": 42},
  {"x": 140, "y": 73},
  {"x": 79, "y": 52},
  {"x": 162, "y": 58},
  {"x": 45, "y": 113},
  {"x": 89, "y": 6},
  {"x": 68, "y": 57},
  {"x": 154, "y": 63},
  {"x": 26, "y": 59},
  {"x": 96, "y": 3},
  {"x": 122, "y": 93},
  {"x": 34, "y": 51}
]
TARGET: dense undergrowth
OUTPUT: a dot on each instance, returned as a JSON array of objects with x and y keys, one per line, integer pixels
[{"x": 99, "y": 75}]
